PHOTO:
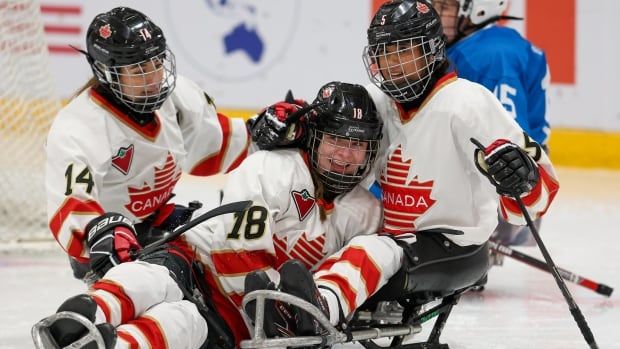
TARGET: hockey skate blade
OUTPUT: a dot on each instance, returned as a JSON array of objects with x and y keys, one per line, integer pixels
[{"x": 43, "y": 339}]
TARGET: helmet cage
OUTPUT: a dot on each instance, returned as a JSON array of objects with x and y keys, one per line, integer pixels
[
  {"x": 337, "y": 181},
  {"x": 403, "y": 68},
  {"x": 143, "y": 86}
]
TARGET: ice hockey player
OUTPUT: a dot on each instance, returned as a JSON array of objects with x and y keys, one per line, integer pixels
[
  {"x": 116, "y": 151},
  {"x": 507, "y": 64},
  {"x": 439, "y": 209},
  {"x": 307, "y": 205}
]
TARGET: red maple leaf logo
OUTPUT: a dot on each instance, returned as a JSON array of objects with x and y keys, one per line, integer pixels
[
  {"x": 403, "y": 202},
  {"x": 122, "y": 160},
  {"x": 304, "y": 202},
  {"x": 146, "y": 200},
  {"x": 105, "y": 31},
  {"x": 309, "y": 252},
  {"x": 422, "y": 8}
]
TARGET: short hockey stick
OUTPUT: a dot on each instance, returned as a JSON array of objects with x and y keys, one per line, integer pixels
[
  {"x": 572, "y": 306},
  {"x": 537, "y": 263},
  {"x": 232, "y": 207}
]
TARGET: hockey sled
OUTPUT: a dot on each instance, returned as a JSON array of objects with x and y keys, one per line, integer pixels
[
  {"x": 43, "y": 339},
  {"x": 392, "y": 321}
]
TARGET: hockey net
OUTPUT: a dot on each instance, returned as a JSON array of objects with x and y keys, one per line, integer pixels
[{"x": 28, "y": 104}]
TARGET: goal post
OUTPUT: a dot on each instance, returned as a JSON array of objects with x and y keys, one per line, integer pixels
[{"x": 28, "y": 104}]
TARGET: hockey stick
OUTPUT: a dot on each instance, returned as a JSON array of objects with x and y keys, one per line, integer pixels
[
  {"x": 572, "y": 306},
  {"x": 232, "y": 207},
  {"x": 537, "y": 263}
]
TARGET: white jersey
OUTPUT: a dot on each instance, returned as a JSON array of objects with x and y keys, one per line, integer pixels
[
  {"x": 427, "y": 171},
  {"x": 283, "y": 223},
  {"x": 100, "y": 160}
]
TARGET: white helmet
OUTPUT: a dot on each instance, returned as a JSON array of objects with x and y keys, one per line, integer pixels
[{"x": 479, "y": 11}]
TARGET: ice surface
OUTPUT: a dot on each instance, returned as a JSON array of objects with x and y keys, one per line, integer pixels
[{"x": 520, "y": 308}]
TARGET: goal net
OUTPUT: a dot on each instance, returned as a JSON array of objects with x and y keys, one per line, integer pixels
[{"x": 27, "y": 106}]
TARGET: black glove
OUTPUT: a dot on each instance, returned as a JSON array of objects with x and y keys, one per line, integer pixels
[
  {"x": 509, "y": 168},
  {"x": 270, "y": 129},
  {"x": 67, "y": 331},
  {"x": 111, "y": 240}
]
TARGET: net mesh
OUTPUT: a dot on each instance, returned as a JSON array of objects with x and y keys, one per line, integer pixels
[{"x": 28, "y": 104}]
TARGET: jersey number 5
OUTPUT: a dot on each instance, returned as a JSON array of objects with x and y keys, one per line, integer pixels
[
  {"x": 253, "y": 220},
  {"x": 83, "y": 177},
  {"x": 506, "y": 94}
]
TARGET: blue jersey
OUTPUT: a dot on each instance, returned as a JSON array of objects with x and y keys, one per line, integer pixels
[{"x": 513, "y": 69}]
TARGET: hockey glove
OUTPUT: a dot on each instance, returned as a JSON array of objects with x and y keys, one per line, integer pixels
[
  {"x": 111, "y": 240},
  {"x": 509, "y": 168},
  {"x": 270, "y": 128},
  {"x": 68, "y": 331}
]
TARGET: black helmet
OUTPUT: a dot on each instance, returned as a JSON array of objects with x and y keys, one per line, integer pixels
[
  {"x": 345, "y": 114},
  {"x": 405, "y": 46},
  {"x": 128, "y": 55}
]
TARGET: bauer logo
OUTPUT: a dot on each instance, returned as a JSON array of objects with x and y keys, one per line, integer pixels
[{"x": 240, "y": 39}]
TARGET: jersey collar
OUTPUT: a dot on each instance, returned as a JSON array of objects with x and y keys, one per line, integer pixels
[
  {"x": 406, "y": 116},
  {"x": 148, "y": 131}
]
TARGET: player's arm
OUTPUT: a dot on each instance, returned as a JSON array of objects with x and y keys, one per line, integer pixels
[
  {"x": 513, "y": 162},
  {"x": 276, "y": 126},
  {"x": 215, "y": 143},
  {"x": 75, "y": 166},
  {"x": 72, "y": 184}
]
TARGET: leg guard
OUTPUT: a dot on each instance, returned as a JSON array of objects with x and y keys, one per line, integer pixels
[{"x": 434, "y": 263}]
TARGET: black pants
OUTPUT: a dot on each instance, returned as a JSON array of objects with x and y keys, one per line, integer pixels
[{"x": 434, "y": 263}]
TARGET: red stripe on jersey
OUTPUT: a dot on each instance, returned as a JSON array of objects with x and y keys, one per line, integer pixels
[
  {"x": 307, "y": 251},
  {"x": 296, "y": 254},
  {"x": 127, "y": 337},
  {"x": 401, "y": 215},
  {"x": 151, "y": 330},
  {"x": 213, "y": 163},
  {"x": 149, "y": 131},
  {"x": 104, "y": 307},
  {"x": 223, "y": 304},
  {"x": 396, "y": 162},
  {"x": 311, "y": 249},
  {"x": 358, "y": 257},
  {"x": 227, "y": 309},
  {"x": 345, "y": 288},
  {"x": 241, "y": 157},
  {"x": 231, "y": 263},
  {"x": 545, "y": 179},
  {"x": 236, "y": 298},
  {"x": 402, "y": 227},
  {"x": 73, "y": 206},
  {"x": 126, "y": 304}
]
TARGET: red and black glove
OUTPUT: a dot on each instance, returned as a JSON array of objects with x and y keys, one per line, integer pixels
[
  {"x": 271, "y": 128},
  {"x": 509, "y": 168},
  {"x": 111, "y": 241}
]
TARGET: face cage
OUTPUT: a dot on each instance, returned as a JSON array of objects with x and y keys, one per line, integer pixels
[
  {"x": 339, "y": 182},
  {"x": 137, "y": 85},
  {"x": 409, "y": 66}
]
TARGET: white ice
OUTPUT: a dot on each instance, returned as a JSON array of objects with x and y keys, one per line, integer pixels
[{"x": 521, "y": 307}]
